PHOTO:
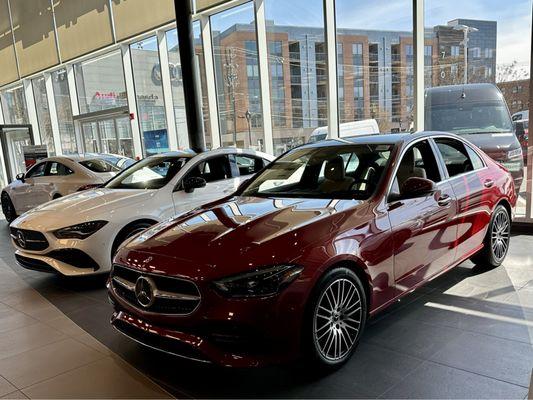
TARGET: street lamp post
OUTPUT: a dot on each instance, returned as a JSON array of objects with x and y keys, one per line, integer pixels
[{"x": 466, "y": 30}]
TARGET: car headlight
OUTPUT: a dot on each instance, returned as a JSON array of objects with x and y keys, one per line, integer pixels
[
  {"x": 79, "y": 231},
  {"x": 260, "y": 283},
  {"x": 515, "y": 153}
]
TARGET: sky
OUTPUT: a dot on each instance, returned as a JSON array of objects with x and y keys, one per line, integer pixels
[{"x": 513, "y": 18}]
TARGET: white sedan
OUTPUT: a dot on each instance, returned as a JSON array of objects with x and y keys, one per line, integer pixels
[
  {"x": 80, "y": 233},
  {"x": 55, "y": 177}
]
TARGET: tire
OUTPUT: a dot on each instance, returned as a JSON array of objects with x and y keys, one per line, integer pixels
[
  {"x": 8, "y": 208},
  {"x": 496, "y": 242},
  {"x": 332, "y": 333},
  {"x": 128, "y": 232},
  {"x": 56, "y": 196}
]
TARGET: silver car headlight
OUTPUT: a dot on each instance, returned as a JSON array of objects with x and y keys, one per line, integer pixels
[
  {"x": 79, "y": 231},
  {"x": 260, "y": 283}
]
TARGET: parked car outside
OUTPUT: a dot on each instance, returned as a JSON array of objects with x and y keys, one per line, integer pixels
[
  {"x": 52, "y": 178},
  {"x": 478, "y": 113},
  {"x": 78, "y": 234},
  {"x": 347, "y": 130},
  {"x": 301, "y": 255}
]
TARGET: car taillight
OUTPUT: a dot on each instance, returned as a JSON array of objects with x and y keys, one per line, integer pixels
[{"x": 89, "y": 186}]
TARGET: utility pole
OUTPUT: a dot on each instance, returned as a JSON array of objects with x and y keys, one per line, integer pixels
[{"x": 466, "y": 30}]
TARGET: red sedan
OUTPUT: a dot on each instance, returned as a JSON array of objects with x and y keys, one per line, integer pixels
[{"x": 296, "y": 261}]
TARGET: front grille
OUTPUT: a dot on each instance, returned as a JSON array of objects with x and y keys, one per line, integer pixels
[
  {"x": 169, "y": 295},
  {"x": 74, "y": 257},
  {"x": 157, "y": 342},
  {"x": 33, "y": 264},
  {"x": 29, "y": 240}
]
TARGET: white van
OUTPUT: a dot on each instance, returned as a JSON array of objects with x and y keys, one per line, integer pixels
[
  {"x": 521, "y": 115},
  {"x": 347, "y": 130}
]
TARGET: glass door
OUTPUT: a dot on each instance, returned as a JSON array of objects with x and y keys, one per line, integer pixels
[
  {"x": 14, "y": 140},
  {"x": 108, "y": 135},
  {"x": 90, "y": 137}
]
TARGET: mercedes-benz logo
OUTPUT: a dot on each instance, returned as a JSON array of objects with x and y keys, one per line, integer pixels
[
  {"x": 144, "y": 291},
  {"x": 21, "y": 240}
]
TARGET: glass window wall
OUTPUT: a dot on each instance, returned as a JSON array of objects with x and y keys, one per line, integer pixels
[
  {"x": 14, "y": 106},
  {"x": 200, "y": 59},
  {"x": 375, "y": 64},
  {"x": 176, "y": 82},
  {"x": 298, "y": 71},
  {"x": 149, "y": 94},
  {"x": 484, "y": 43},
  {"x": 64, "y": 112},
  {"x": 100, "y": 83},
  {"x": 240, "y": 112},
  {"x": 43, "y": 114}
]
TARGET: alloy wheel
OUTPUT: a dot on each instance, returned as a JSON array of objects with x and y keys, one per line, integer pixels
[
  {"x": 501, "y": 229},
  {"x": 337, "y": 319}
]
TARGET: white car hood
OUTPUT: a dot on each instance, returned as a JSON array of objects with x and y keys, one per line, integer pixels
[{"x": 89, "y": 205}]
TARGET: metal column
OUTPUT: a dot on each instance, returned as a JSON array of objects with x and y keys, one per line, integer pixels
[{"x": 193, "y": 108}]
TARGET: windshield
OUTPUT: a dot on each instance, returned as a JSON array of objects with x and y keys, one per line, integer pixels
[
  {"x": 465, "y": 119},
  {"x": 150, "y": 173},
  {"x": 99, "y": 166},
  {"x": 343, "y": 172}
]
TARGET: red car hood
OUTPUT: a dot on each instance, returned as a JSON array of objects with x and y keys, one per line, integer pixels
[{"x": 236, "y": 235}]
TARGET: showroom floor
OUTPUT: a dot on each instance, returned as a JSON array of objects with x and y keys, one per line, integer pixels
[{"x": 468, "y": 334}]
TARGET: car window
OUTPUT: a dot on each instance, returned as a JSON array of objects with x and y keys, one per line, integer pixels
[
  {"x": 99, "y": 166},
  {"x": 477, "y": 162},
  {"x": 331, "y": 172},
  {"x": 418, "y": 161},
  {"x": 149, "y": 173},
  {"x": 248, "y": 165},
  {"x": 213, "y": 169},
  {"x": 37, "y": 171},
  {"x": 467, "y": 118},
  {"x": 58, "y": 169},
  {"x": 455, "y": 156}
]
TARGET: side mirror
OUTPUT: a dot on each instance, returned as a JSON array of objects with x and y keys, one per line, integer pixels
[
  {"x": 193, "y": 182},
  {"x": 20, "y": 177},
  {"x": 519, "y": 128},
  {"x": 417, "y": 187}
]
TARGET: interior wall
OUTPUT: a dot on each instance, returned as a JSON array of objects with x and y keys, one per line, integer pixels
[
  {"x": 8, "y": 63},
  {"x": 82, "y": 26},
  {"x": 35, "y": 42}
]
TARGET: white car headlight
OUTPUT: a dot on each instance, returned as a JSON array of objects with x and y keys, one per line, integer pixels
[{"x": 79, "y": 231}]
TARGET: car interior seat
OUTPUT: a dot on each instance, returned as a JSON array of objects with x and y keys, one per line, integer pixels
[
  {"x": 408, "y": 168},
  {"x": 335, "y": 179}
]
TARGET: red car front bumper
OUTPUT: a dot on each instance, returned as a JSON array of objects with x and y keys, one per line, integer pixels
[{"x": 231, "y": 333}]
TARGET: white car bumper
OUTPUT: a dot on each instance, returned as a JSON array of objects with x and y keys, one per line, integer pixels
[{"x": 69, "y": 257}]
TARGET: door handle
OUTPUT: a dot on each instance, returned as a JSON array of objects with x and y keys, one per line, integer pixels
[
  {"x": 488, "y": 183},
  {"x": 444, "y": 200}
]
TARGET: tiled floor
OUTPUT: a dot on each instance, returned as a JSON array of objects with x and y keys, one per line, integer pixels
[{"x": 468, "y": 334}]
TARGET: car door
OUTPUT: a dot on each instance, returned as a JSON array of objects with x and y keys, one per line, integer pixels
[
  {"x": 57, "y": 182},
  {"x": 30, "y": 193},
  {"x": 220, "y": 181},
  {"x": 423, "y": 229},
  {"x": 471, "y": 183}
]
